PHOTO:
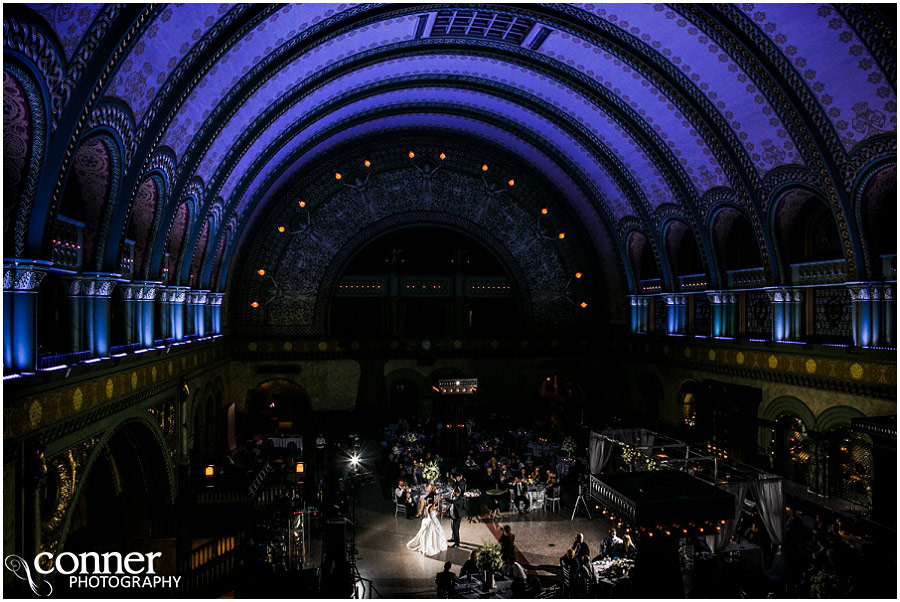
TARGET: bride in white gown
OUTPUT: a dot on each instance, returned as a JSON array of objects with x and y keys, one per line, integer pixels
[{"x": 430, "y": 539}]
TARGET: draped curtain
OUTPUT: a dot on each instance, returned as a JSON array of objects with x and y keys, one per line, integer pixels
[
  {"x": 720, "y": 540},
  {"x": 601, "y": 452},
  {"x": 770, "y": 502}
]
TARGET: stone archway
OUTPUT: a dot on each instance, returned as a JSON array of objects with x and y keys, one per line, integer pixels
[{"x": 306, "y": 261}]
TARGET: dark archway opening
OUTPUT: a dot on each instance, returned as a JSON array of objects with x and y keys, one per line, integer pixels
[
  {"x": 879, "y": 221},
  {"x": 125, "y": 503},
  {"x": 278, "y": 407},
  {"x": 736, "y": 243},
  {"x": 403, "y": 398},
  {"x": 424, "y": 282}
]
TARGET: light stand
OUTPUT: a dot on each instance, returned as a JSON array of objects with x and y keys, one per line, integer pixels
[
  {"x": 581, "y": 500},
  {"x": 353, "y": 480}
]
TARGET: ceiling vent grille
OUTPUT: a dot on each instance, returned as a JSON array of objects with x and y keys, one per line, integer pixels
[{"x": 479, "y": 24}]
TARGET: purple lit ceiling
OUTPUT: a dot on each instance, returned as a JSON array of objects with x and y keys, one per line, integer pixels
[{"x": 635, "y": 112}]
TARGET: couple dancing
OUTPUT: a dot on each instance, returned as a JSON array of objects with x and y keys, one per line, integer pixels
[{"x": 430, "y": 538}]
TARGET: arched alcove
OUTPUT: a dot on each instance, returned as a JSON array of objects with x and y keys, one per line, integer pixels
[
  {"x": 87, "y": 189},
  {"x": 805, "y": 230},
  {"x": 735, "y": 242},
  {"x": 175, "y": 243},
  {"x": 277, "y": 406},
  {"x": 143, "y": 219},
  {"x": 640, "y": 251},
  {"x": 878, "y": 212},
  {"x": 681, "y": 247}
]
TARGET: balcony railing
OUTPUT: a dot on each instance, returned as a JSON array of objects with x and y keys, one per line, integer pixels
[
  {"x": 819, "y": 272},
  {"x": 653, "y": 285},
  {"x": 67, "y": 241},
  {"x": 693, "y": 282},
  {"x": 62, "y": 359},
  {"x": 747, "y": 278}
]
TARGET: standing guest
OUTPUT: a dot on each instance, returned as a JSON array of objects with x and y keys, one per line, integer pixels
[
  {"x": 507, "y": 546},
  {"x": 461, "y": 483},
  {"x": 612, "y": 545},
  {"x": 580, "y": 548},
  {"x": 469, "y": 567},
  {"x": 503, "y": 498}
]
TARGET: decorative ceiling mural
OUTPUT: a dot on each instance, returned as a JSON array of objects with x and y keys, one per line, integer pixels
[{"x": 632, "y": 114}]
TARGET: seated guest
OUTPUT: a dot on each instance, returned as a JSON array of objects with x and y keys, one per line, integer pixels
[
  {"x": 520, "y": 491},
  {"x": 470, "y": 463},
  {"x": 580, "y": 548},
  {"x": 612, "y": 545},
  {"x": 630, "y": 550},
  {"x": 534, "y": 589},
  {"x": 518, "y": 588},
  {"x": 446, "y": 578},
  {"x": 469, "y": 567},
  {"x": 517, "y": 571},
  {"x": 584, "y": 577}
]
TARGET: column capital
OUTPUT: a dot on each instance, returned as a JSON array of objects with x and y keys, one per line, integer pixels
[
  {"x": 24, "y": 275},
  {"x": 215, "y": 298},
  {"x": 173, "y": 294},
  {"x": 784, "y": 294},
  {"x": 139, "y": 290},
  {"x": 91, "y": 284},
  {"x": 863, "y": 291},
  {"x": 197, "y": 297}
]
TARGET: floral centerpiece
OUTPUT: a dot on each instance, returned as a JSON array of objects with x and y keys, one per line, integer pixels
[
  {"x": 431, "y": 472},
  {"x": 488, "y": 560},
  {"x": 568, "y": 445},
  {"x": 410, "y": 437}
]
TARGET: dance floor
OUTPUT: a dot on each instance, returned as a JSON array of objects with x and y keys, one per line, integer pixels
[{"x": 541, "y": 538}]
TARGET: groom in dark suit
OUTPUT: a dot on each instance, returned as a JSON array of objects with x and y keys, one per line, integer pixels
[{"x": 455, "y": 511}]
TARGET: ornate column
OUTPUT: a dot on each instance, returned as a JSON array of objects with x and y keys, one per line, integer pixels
[
  {"x": 197, "y": 312},
  {"x": 21, "y": 280},
  {"x": 177, "y": 297},
  {"x": 163, "y": 313},
  {"x": 214, "y": 312},
  {"x": 640, "y": 309},
  {"x": 723, "y": 314},
  {"x": 97, "y": 288},
  {"x": 137, "y": 298},
  {"x": 787, "y": 313},
  {"x": 676, "y": 308},
  {"x": 888, "y": 316},
  {"x": 861, "y": 313}
]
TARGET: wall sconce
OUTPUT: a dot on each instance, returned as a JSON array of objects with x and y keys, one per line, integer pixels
[
  {"x": 210, "y": 470},
  {"x": 300, "y": 468},
  {"x": 543, "y": 232}
]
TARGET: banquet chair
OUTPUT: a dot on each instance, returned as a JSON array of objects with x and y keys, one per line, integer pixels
[
  {"x": 554, "y": 499},
  {"x": 538, "y": 501},
  {"x": 565, "y": 579},
  {"x": 398, "y": 508}
]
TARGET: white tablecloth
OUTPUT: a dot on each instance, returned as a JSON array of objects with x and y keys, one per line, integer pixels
[{"x": 285, "y": 441}]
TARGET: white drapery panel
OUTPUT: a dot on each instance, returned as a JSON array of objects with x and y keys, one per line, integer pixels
[
  {"x": 770, "y": 502},
  {"x": 601, "y": 451},
  {"x": 720, "y": 540}
]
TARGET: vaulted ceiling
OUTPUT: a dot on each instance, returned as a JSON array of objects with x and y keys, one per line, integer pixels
[{"x": 638, "y": 120}]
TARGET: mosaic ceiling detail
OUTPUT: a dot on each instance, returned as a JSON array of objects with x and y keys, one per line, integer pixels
[{"x": 635, "y": 113}]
